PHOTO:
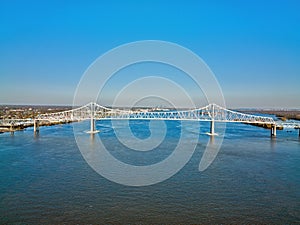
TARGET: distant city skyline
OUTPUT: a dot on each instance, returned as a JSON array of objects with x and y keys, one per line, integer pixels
[{"x": 253, "y": 47}]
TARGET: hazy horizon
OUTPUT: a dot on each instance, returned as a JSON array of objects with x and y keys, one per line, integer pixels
[{"x": 154, "y": 106}]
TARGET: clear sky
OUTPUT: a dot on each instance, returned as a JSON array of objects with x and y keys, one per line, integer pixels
[{"x": 253, "y": 47}]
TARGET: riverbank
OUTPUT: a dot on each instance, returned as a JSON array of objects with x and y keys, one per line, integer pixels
[
  {"x": 4, "y": 129},
  {"x": 280, "y": 114},
  {"x": 27, "y": 112}
]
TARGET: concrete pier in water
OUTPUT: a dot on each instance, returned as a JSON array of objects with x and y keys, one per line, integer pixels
[
  {"x": 93, "y": 126},
  {"x": 36, "y": 126},
  {"x": 273, "y": 130},
  {"x": 212, "y": 128}
]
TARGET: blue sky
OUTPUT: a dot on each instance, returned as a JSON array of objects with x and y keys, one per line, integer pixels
[{"x": 253, "y": 47}]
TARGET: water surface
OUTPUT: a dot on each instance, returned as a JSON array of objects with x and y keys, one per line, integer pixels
[{"x": 254, "y": 179}]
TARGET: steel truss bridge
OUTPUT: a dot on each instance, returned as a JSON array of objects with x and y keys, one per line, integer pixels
[{"x": 92, "y": 111}]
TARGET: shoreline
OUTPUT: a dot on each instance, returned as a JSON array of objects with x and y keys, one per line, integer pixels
[
  {"x": 280, "y": 114},
  {"x": 5, "y": 129}
]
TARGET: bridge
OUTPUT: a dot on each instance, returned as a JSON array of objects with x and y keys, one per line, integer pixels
[{"x": 211, "y": 113}]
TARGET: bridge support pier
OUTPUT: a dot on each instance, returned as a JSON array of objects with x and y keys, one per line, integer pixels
[
  {"x": 212, "y": 128},
  {"x": 93, "y": 126},
  {"x": 92, "y": 120},
  {"x": 273, "y": 130},
  {"x": 12, "y": 132},
  {"x": 36, "y": 126}
]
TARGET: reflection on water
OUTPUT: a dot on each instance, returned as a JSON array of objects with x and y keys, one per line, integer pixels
[
  {"x": 212, "y": 140},
  {"x": 273, "y": 143},
  {"x": 254, "y": 179}
]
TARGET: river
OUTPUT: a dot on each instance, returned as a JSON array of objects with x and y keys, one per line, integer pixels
[{"x": 253, "y": 179}]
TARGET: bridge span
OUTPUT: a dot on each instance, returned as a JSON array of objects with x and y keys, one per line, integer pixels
[{"x": 211, "y": 113}]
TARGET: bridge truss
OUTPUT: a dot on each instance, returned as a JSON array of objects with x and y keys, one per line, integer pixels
[{"x": 207, "y": 113}]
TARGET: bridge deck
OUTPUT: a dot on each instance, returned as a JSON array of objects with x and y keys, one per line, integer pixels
[{"x": 211, "y": 112}]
